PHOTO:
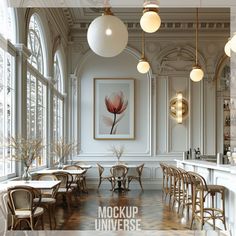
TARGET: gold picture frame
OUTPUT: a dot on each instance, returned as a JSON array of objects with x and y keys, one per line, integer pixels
[{"x": 113, "y": 108}]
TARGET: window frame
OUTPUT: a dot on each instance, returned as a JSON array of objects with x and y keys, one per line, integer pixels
[
  {"x": 58, "y": 94},
  {"x": 38, "y": 74},
  {"x": 8, "y": 47}
]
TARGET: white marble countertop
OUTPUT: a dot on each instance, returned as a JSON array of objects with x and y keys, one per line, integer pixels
[{"x": 210, "y": 165}]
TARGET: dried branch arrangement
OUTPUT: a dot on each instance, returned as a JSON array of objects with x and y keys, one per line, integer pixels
[
  {"x": 62, "y": 149},
  {"x": 25, "y": 150}
]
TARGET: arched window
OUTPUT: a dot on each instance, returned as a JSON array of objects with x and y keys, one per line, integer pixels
[
  {"x": 58, "y": 100},
  {"x": 7, "y": 88},
  {"x": 58, "y": 81},
  {"x": 36, "y": 87},
  {"x": 35, "y": 44}
]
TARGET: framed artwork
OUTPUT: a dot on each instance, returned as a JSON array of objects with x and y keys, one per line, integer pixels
[{"x": 113, "y": 108}]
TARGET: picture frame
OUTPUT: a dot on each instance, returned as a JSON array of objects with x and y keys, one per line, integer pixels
[{"x": 113, "y": 108}]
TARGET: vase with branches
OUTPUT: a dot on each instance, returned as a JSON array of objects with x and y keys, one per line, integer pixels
[
  {"x": 118, "y": 152},
  {"x": 62, "y": 149},
  {"x": 25, "y": 151}
]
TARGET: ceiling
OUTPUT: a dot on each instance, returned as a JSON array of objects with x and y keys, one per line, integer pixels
[{"x": 86, "y": 15}]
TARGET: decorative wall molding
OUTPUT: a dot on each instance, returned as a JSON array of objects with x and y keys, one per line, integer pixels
[{"x": 168, "y": 26}]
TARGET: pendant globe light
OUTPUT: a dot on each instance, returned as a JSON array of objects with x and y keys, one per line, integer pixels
[
  {"x": 143, "y": 65},
  {"x": 107, "y": 35},
  {"x": 233, "y": 43},
  {"x": 197, "y": 73},
  {"x": 228, "y": 48},
  {"x": 150, "y": 21}
]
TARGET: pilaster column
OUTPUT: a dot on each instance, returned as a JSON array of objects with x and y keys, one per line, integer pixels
[
  {"x": 22, "y": 55},
  {"x": 153, "y": 126},
  {"x": 49, "y": 119},
  {"x": 73, "y": 111}
]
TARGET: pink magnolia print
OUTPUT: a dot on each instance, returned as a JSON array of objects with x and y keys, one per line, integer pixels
[{"x": 116, "y": 104}]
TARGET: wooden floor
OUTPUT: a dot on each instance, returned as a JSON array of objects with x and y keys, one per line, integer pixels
[{"x": 153, "y": 213}]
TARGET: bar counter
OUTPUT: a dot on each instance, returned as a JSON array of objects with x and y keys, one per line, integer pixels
[{"x": 217, "y": 174}]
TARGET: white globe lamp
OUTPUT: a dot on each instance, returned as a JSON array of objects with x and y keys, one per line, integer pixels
[
  {"x": 143, "y": 66},
  {"x": 196, "y": 74},
  {"x": 228, "y": 48},
  {"x": 150, "y": 21},
  {"x": 233, "y": 43},
  {"x": 107, "y": 35}
]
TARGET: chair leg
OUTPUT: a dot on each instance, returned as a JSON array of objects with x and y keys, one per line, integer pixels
[
  {"x": 223, "y": 206},
  {"x": 68, "y": 199},
  {"x": 129, "y": 180},
  {"x": 12, "y": 222},
  {"x": 114, "y": 185},
  {"x": 31, "y": 223},
  {"x": 193, "y": 207},
  {"x": 140, "y": 182},
  {"x": 111, "y": 181},
  {"x": 54, "y": 215},
  {"x": 100, "y": 181},
  {"x": 213, "y": 212},
  {"x": 202, "y": 211},
  {"x": 124, "y": 184},
  {"x": 85, "y": 185},
  {"x": 42, "y": 222},
  {"x": 49, "y": 215}
]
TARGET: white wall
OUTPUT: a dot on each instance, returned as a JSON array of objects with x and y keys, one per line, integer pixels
[{"x": 122, "y": 66}]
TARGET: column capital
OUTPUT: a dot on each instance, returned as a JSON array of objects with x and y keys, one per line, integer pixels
[
  {"x": 21, "y": 48},
  {"x": 73, "y": 77}
]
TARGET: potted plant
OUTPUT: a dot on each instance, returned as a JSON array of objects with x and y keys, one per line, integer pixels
[{"x": 26, "y": 151}]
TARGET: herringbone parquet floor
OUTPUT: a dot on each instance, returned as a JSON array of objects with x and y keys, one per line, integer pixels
[{"x": 153, "y": 212}]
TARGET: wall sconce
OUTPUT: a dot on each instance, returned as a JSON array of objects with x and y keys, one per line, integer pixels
[{"x": 179, "y": 108}]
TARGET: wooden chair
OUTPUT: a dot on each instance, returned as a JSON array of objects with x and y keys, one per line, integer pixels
[
  {"x": 48, "y": 200},
  {"x": 187, "y": 186},
  {"x": 23, "y": 207},
  {"x": 82, "y": 179},
  {"x": 64, "y": 189},
  {"x": 165, "y": 180},
  {"x": 138, "y": 177},
  {"x": 4, "y": 210},
  {"x": 101, "y": 177},
  {"x": 74, "y": 179},
  {"x": 200, "y": 209},
  {"x": 177, "y": 187},
  {"x": 119, "y": 173}
]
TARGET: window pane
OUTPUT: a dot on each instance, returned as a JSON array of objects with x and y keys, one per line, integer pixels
[
  {"x": 7, "y": 111},
  {"x": 36, "y": 114},
  {"x": 35, "y": 44},
  {"x": 57, "y": 101},
  {"x": 57, "y": 75},
  {"x": 7, "y": 20}
]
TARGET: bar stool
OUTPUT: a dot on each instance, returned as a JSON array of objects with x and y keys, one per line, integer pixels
[
  {"x": 165, "y": 180},
  {"x": 177, "y": 190},
  {"x": 187, "y": 188},
  {"x": 200, "y": 211}
]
